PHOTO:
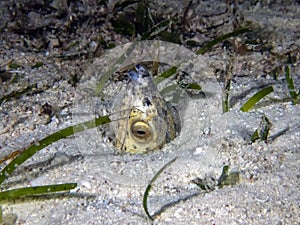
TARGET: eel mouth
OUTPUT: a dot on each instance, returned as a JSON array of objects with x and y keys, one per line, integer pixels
[{"x": 141, "y": 131}]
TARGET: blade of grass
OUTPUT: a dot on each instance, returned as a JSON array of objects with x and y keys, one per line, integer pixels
[
  {"x": 217, "y": 40},
  {"x": 143, "y": 18},
  {"x": 203, "y": 184},
  {"x": 193, "y": 90},
  {"x": 165, "y": 74},
  {"x": 262, "y": 132},
  {"x": 11, "y": 155},
  {"x": 156, "y": 29},
  {"x": 294, "y": 95},
  {"x": 228, "y": 178},
  {"x": 19, "y": 93},
  {"x": 146, "y": 193},
  {"x": 226, "y": 92},
  {"x": 168, "y": 89},
  {"x": 193, "y": 86},
  {"x": 34, "y": 148},
  {"x": 255, "y": 98},
  {"x": 227, "y": 86},
  {"x": 28, "y": 191},
  {"x": 120, "y": 5}
]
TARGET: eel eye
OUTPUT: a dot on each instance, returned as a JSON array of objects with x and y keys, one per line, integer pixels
[{"x": 141, "y": 131}]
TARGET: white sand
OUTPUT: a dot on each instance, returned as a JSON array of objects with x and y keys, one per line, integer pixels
[{"x": 110, "y": 187}]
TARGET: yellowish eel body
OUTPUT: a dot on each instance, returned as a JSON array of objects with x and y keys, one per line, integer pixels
[{"x": 148, "y": 121}]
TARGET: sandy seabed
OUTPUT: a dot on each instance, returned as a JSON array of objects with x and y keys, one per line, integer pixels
[{"x": 111, "y": 186}]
